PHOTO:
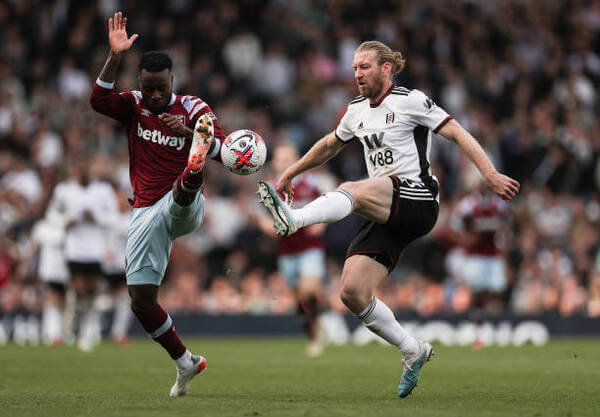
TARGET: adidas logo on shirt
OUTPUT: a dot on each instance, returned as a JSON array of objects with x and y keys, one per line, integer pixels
[{"x": 156, "y": 136}]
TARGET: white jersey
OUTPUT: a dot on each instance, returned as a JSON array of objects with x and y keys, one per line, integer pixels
[
  {"x": 114, "y": 262},
  {"x": 396, "y": 137},
  {"x": 85, "y": 240},
  {"x": 50, "y": 238}
]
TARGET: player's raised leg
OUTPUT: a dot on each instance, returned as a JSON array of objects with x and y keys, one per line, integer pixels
[
  {"x": 159, "y": 326},
  {"x": 190, "y": 181},
  {"x": 370, "y": 198},
  {"x": 360, "y": 277}
]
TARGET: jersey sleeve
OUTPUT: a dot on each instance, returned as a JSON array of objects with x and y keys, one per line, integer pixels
[
  {"x": 425, "y": 112},
  {"x": 344, "y": 131},
  {"x": 110, "y": 103}
]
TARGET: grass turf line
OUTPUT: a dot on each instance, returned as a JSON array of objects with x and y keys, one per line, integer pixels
[{"x": 272, "y": 377}]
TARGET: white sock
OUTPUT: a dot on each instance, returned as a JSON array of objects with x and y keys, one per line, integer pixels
[
  {"x": 3, "y": 333},
  {"x": 90, "y": 332},
  {"x": 122, "y": 316},
  {"x": 380, "y": 320},
  {"x": 185, "y": 360},
  {"x": 69, "y": 313},
  {"x": 51, "y": 324},
  {"x": 328, "y": 208}
]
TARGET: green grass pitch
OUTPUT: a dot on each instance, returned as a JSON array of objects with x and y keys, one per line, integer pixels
[{"x": 272, "y": 377}]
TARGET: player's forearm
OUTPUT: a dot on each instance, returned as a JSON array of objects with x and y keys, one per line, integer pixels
[
  {"x": 471, "y": 147},
  {"x": 322, "y": 151},
  {"x": 109, "y": 71},
  {"x": 476, "y": 153}
]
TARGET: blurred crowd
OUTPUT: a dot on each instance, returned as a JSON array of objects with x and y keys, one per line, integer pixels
[{"x": 521, "y": 75}]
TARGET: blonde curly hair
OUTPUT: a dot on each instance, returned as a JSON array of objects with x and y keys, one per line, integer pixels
[{"x": 384, "y": 54}]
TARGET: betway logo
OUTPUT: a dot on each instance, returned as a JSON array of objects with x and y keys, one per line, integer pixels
[{"x": 156, "y": 136}]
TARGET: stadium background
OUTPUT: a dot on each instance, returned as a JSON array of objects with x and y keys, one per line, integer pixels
[{"x": 522, "y": 76}]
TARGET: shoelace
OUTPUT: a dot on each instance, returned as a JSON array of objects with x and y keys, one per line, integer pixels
[
  {"x": 406, "y": 364},
  {"x": 406, "y": 377}
]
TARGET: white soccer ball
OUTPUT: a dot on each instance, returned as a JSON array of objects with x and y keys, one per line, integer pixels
[{"x": 244, "y": 152}]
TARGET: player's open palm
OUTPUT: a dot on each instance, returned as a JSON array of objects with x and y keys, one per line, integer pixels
[
  {"x": 117, "y": 34},
  {"x": 504, "y": 186}
]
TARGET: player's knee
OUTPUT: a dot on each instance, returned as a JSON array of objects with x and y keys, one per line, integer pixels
[
  {"x": 141, "y": 304},
  {"x": 351, "y": 295}
]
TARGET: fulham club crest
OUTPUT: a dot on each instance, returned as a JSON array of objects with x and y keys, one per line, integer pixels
[{"x": 389, "y": 118}]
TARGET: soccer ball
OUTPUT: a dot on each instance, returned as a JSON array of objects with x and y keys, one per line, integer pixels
[{"x": 243, "y": 152}]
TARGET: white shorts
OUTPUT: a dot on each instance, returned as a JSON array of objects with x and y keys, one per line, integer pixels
[
  {"x": 310, "y": 263},
  {"x": 151, "y": 233},
  {"x": 484, "y": 273}
]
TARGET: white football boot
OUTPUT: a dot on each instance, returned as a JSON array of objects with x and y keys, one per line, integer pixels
[
  {"x": 204, "y": 132},
  {"x": 412, "y": 367},
  {"x": 185, "y": 376},
  {"x": 283, "y": 221}
]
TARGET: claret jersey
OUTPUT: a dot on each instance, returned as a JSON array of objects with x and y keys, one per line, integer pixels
[
  {"x": 396, "y": 137},
  {"x": 306, "y": 189},
  {"x": 157, "y": 155},
  {"x": 484, "y": 217}
]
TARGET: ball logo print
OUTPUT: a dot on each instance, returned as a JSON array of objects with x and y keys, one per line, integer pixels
[
  {"x": 243, "y": 158},
  {"x": 244, "y": 152}
]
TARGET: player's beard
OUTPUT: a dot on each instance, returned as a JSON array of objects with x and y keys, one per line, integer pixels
[{"x": 373, "y": 89}]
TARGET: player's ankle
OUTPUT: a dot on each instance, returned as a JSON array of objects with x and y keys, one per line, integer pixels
[
  {"x": 185, "y": 360},
  {"x": 192, "y": 181},
  {"x": 298, "y": 221}
]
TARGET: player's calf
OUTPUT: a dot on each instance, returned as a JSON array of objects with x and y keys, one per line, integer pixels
[{"x": 186, "y": 186}]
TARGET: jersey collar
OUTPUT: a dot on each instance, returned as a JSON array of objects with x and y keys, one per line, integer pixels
[
  {"x": 387, "y": 93},
  {"x": 173, "y": 97}
]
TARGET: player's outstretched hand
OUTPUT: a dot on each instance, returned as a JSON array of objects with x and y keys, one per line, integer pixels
[
  {"x": 117, "y": 34},
  {"x": 285, "y": 187},
  {"x": 504, "y": 186},
  {"x": 172, "y": 123}
]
